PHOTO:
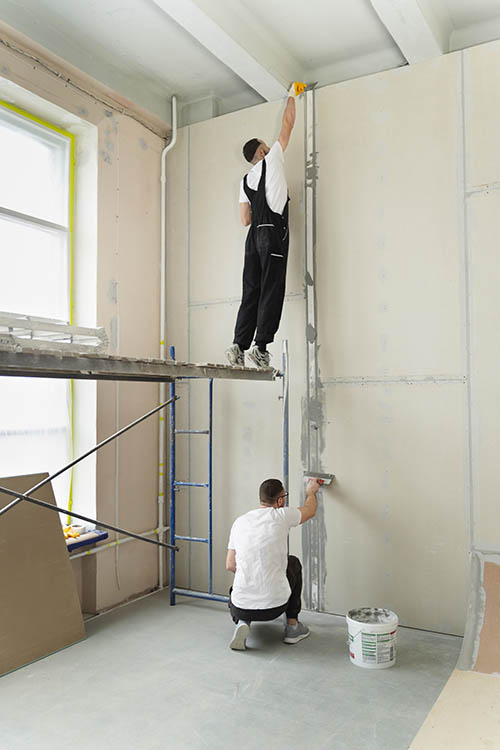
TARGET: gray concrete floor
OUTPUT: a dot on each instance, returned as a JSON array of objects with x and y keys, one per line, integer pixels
[{"x": 152, "y": 676}]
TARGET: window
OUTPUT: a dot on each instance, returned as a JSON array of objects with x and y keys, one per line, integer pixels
[{"x": 36, "y": 208}]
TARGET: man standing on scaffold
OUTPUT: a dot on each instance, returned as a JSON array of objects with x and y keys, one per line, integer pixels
[{"x": 264, "y": 207}]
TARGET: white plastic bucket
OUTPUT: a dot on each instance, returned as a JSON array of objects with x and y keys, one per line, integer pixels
[{"x": 372, "y": 637}]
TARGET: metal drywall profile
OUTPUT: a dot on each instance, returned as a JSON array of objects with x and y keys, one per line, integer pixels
[{"x": 313, "y": 536}]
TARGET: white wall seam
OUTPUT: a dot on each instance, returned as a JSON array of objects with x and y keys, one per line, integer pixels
[
  {"x": 463, "y": 171},
  {"x": 393, "y": 380},
  {"x": 190, "y": 382},
  {"x": 117, "y": 384},
  {"x": 488, "y": 187},
  {"x": 237, "y": 300},
  {"x": 487, "y": 550}
]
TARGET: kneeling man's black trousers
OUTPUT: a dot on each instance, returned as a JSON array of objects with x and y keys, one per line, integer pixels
[{"x": 292, "y": 607}]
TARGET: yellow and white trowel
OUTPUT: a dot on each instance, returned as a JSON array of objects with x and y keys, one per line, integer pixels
[
  {"x": 297, "y": 88},
  {"x": 324, "y": 479}
]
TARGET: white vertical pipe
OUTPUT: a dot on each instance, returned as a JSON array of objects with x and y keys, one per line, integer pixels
[{"x": 163, "y": 284}]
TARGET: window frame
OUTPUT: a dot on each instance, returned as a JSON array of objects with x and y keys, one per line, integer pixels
[{"x": 66, "y": 230}]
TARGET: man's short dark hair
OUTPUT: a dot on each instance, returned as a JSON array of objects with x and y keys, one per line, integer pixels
[
  {"x": 250, "y": 148},
  {"x": 269, "y": 491}
]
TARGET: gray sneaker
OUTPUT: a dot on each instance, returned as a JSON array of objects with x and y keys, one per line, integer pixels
[
  {"x": 235, "y": 356},
  {"x": 260, "y": 359},
  {"x": 239, "y": 640},
  {"x": 295, "y": 633}
]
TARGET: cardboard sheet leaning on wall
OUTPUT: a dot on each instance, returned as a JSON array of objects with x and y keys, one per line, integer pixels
[{"x": 40, "y": 606}]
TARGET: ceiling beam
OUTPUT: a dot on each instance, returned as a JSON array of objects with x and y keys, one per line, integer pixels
[
  {"x": 419, "y": 35},
  {"x": 232, "y": 36}
]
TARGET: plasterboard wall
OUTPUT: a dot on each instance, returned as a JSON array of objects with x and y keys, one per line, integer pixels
[
  {"x": 482, "y": 179},
  {"x": 205, "y": 242},
  {"x": 122, "y": 228},
  {"x": 390, "y": 304},
  {"x": 407, "y": 313}
]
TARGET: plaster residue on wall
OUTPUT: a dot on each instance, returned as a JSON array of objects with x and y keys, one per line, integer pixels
[{"x": 314, "y": 534}]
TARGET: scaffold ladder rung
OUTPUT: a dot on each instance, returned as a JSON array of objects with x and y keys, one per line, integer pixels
[
  {"x": 201, "y": 595},
  {"x": 192, "y": 432},
  {"x": 191, "y": 484},
  {"x": 192, "y": 538}
]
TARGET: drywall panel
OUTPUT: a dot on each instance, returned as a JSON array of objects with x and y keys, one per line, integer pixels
[
  {"x": 482, "y": 107},
  {"x": 392, "y": 341},
  {"x": 138, "y": 241},
  {"x": 216, "y": 166},
  {"x": 465, "y": 716},
  {"x": 128, "y": 306},
  {"x": 247, "y": 437},
  {"x": 203, "y": 295},
  {"x": 484, "y": 209},
  {"x": 395, "y": 515},
  {"x": 388, "y": 250}
]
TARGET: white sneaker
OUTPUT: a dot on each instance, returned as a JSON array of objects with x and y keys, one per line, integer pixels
[
  {"x": 260, "y": 359},
  {"x": 239, "y": 641},
  {"x": 235, "y": 356}
]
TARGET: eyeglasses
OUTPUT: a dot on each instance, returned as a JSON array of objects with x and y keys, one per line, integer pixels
[{"x": 283, "y": 496}]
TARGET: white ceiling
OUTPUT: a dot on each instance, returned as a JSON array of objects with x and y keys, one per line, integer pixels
[{"x": 223, "y": 55}]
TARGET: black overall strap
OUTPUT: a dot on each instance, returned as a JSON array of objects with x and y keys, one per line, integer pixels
[
  {"x": 261, "y": 213},
  {"x": 248, "y": 190}
]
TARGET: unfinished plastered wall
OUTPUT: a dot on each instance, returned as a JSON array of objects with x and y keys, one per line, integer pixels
[
  {"x": 481, "y": 201},
  {"x": 406, "y": 313},
  {"x": 205, "y": 242},
  {"x": 119, "y": 219},
  {"x": 392, "y": 357}
]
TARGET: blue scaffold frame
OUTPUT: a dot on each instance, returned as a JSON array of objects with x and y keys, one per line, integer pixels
[{"x": 174, "y": 484}]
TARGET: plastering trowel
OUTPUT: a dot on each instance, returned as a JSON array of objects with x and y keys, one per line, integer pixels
[{"x": 325, "y": 479}]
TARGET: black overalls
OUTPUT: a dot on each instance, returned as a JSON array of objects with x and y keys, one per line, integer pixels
[{"x": 264, "y": 272}]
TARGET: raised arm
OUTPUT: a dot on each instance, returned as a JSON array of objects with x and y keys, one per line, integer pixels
[
  {"x": 288, "y": 122},
  {"x": 308, "y": 510}
]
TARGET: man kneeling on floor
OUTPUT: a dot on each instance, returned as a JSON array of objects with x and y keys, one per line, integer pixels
[{"x": 267, "y": 581}]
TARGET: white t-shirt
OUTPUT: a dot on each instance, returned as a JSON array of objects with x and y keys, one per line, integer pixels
[
  {"x": 276, "y": 187},
  {"x": 259, "y": 539}
]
